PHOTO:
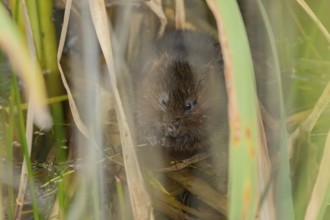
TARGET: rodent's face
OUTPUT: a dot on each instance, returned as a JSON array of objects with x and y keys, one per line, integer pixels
[{"x": 172, "y": 110}]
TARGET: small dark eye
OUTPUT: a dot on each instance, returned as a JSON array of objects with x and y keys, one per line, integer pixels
[
  {"x": 189, "y": 105},
  {"x": 164, "y": 101}
]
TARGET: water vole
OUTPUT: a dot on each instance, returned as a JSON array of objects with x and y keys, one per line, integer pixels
[{"x": 181, "y": 96}]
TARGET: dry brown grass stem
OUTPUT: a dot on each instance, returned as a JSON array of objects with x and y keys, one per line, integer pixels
[
  {"x": 202, "y": 190},
  {"x": 179, "y": 165},
  {"x": 73, "y": 107},
  {"x": 156, "y": 7},
  {"x": 179, "y": 14}
]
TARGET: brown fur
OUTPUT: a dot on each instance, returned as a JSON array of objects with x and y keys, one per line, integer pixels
[{"x": 181, "y": 96}]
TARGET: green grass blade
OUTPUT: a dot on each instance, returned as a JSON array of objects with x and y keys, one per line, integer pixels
[
  {"x": 25, "y": 148},
  {"x": 53, "y": 79},
  {"x": 244, "y": 133}
]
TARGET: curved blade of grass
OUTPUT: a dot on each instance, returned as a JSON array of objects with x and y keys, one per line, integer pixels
[
  {"x": 140, "y": 199},
  {"x": 283, "y": 186},
  {"x": 73, "y": 107},
  {"x": 49, "y": 101},
  {"x": 242, "y": 108},
  {"x": 10, "y": 157}
]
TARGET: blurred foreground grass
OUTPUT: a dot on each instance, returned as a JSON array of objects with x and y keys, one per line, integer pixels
[{"x": 66, "y": 182}]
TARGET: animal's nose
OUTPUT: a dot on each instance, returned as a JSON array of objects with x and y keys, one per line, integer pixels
[{"x": 172, "y": 131}]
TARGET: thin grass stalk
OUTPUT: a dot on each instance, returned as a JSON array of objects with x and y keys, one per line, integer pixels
[
  {"x": 16, "y": 11},
  {"x": 29, "y": 121},
  {"x": 302, "y": 31},
  {"x": 11, "y": 202},
  {"x": 53, "y": 100},
  {"x": 10, "y": 154},
  {"x": 6, "y": 149},
  {"x": 3, "y": 154},
  {"x": 316, "y": 20},
  {"x": 285, "y": 54},
  {"x": 26, "y": 154},
  {"x": 313, "y": 33},
  {"x": 70, "y": 183},
  {"x": 53, "y": 78},
  {"x": 33, "y": 14},
  {"x": 242, "y": 108}
]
